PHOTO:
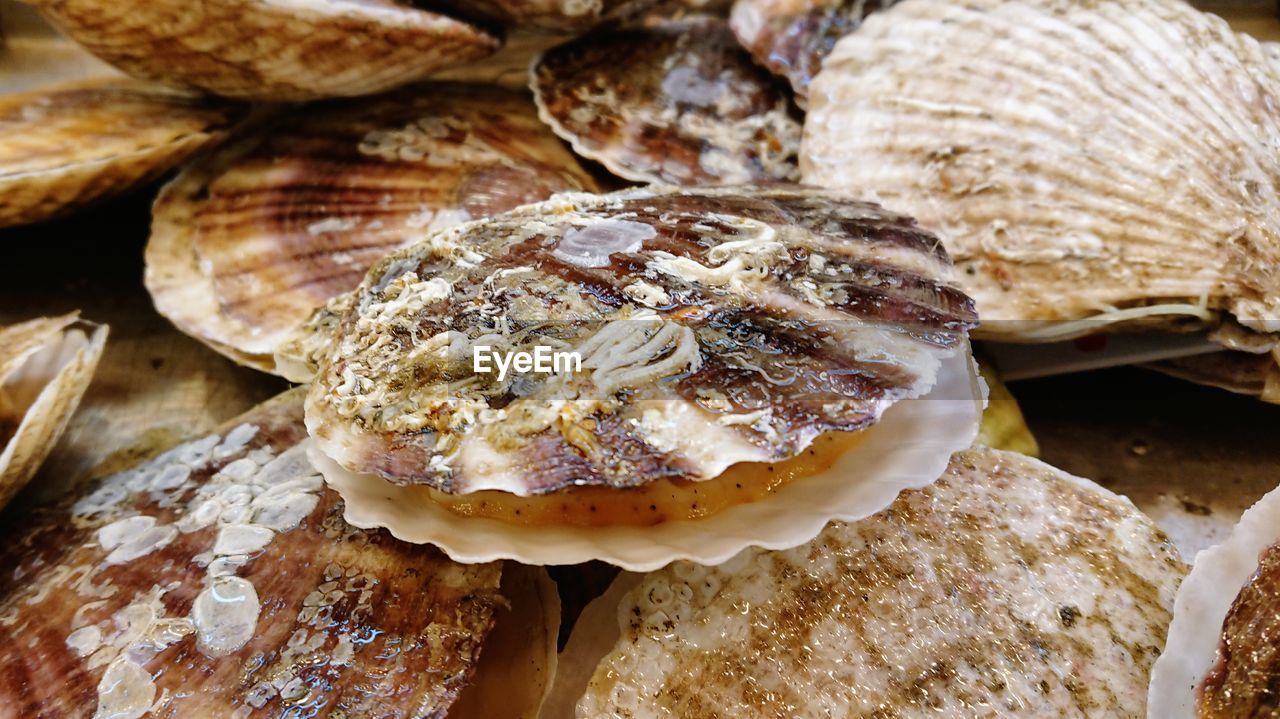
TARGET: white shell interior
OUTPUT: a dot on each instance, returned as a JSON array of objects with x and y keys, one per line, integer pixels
[
  {"x": 908, "y": 448},
  {"x": 1205, "y": 597}
]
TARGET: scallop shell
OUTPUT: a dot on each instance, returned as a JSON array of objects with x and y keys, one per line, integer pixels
[
  {"x": 1223, "y": 653},
  {"x": 67, "y": 146},
  {"x": 907, "y": 448},
  {"x": 675, "y": 102},
  {"x": 45, "y": 367},
  {"x": 711, "y": 326},
  {"x": 1006, "y": 588},
  {"x": 546, "y": 14},
  {"x": 270, "y": 49},
  {"x": 220, "y": 580},
  {"x": 249, "y": 240},
  {"x": 1256, "y": 375},
  {"x": 36, "y": 56},
  {"x": 792, "y": 37},
  {"x": 1087, "y": 164}
]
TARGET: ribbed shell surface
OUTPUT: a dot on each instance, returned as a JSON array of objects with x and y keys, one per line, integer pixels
[
  {"x": 220, "y": 580},
  {"x": 246, "y": 242},
  {"x": 1007, "y": 588},
  {"x": 67, "y": 146},
  {"x": 280, "y": 50},
  {"x": 711, "y": 326},
  {"x": 676, "y": 102},
  {"x": 1076, "y": 158}
]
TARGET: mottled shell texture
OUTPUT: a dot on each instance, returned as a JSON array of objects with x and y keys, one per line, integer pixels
[
  {"x": 66, "y": 146},
  {"x": 710, "y": 326},
  {"x": 793, "y": 37},
  {"x": 1086, "y": 163},
  {"x": 249, "y": 240},
  {"x": 271, "y": 49},
  {"x": 677, "y": 102},
  {"x": 1005, "y": 589}
]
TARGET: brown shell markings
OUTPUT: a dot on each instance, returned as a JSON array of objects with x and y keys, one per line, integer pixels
[
  {"x": 221, "y": 580},
  {"x": 1089, "y": 165},
  {"x": 248, "y": 241},
  {"x": 675, "y": 102},
  {"x": 268, "y": 50},
  {"x": 46, "y": 365},
  {"x": 792, "y": 37},
  {"x": 1008, "y": 588},
  {"x": 713, "y": 326},
  {"x": 67, "y": 146}
]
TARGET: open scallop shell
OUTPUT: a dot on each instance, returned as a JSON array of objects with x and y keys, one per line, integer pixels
[
  {"x": 907, "y": 448},
  {"x": 792, "y": 37},
  {"x": 1006, "y": 588},
  {"x": 271, "y": 49},
  {"x": 675, "y": 102},
  {"x": 709, "y": 326},
  {"x": 249, "y": 240},
  {"x": 1087, "y": 164},
  {"x": 219, "y": 580},
  {"x": 45, "y": 367},
  {"x": 66, "y": 146},
  {"x": 1225, "y": 587}
]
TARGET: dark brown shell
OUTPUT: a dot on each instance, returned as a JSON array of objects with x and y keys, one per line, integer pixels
[
  {"x": 1257, "y": 375},
  {"x": 248, "y": 241},
  {"x": 791, "y": 37},
  {"x": 265, "y": 50},
  {"x": 118, "y": 600},
  {"x": 64, "y": 147},
  {"x": 675, "y": 102},
  {"x": 713, "y": 326}
]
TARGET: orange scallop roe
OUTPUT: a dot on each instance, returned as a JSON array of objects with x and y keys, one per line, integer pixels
[{"x": 659, "y": 501}]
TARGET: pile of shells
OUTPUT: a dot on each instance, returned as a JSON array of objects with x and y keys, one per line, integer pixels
[{"x": 350, "y": 192}]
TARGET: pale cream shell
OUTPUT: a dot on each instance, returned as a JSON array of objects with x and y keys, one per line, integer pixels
[
  {"x": 1032, "y": 618},
  {"x": 909, "y": 447},
  {"x": 1201, "y": 607},
  {"x": 1085, "y": 163},
  {"x": 34, "y": 55},
  {"x": 66, "y": 146},
  {"x": 45, "y": 367},
  {"x": 272, "y": 49},
  {"x": 517, "y": 668}
]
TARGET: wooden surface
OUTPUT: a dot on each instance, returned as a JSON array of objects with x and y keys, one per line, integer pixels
[
  {"x": 154, "y": 385},
  {"x": 1193, "y": 457}
]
